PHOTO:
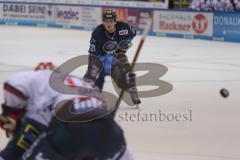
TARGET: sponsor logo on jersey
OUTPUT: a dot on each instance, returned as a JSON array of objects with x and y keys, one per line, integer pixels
[{"x": 123, "y": 32}]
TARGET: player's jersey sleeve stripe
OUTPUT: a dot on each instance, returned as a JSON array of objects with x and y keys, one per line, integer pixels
[{"x": 14, "y": 91}]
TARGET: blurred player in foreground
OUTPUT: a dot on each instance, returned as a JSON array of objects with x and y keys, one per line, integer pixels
[
  {"x": 109, "y": 44},
  {"x": 26, "y": 110},
  {"x": 83, "y": 128}
]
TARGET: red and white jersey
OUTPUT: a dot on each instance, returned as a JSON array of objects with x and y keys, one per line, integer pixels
[
  {"x": 30, "y": 90},
  {"x": 80, "y": 94},
  {"x": 83, "y": 101}
]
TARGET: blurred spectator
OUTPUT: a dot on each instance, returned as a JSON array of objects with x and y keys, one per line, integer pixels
[
  {"x": 179, "y": 4},
  {"x": 201, "y": 5},
  {"x": 156, "y": 0},
  {"x": 237, "y": 4},
  {"x": 216, "y": 5}
]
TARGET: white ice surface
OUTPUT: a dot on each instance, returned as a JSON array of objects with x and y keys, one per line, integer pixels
[{"x": 197, "y": 71}]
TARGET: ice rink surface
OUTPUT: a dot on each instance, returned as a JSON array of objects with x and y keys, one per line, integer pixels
[{"x": 196, "y": 69}]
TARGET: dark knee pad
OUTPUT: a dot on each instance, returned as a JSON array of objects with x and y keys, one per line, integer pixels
[
  {"x": 122, "y": 72},
  {"x": 95, "y": 66}
]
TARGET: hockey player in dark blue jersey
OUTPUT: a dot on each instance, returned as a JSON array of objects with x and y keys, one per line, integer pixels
[
  {"x": 83, "y": 128},
  {"x": 108, "y": 45}
]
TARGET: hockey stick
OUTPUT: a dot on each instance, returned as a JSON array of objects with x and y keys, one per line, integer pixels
[{"x": 145, "y": 33}]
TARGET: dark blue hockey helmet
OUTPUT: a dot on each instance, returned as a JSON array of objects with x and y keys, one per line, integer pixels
[{"x": 109, "y": 14}]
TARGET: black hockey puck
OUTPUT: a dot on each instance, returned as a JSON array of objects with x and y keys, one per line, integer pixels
[{"x": 224, "y": 92}]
